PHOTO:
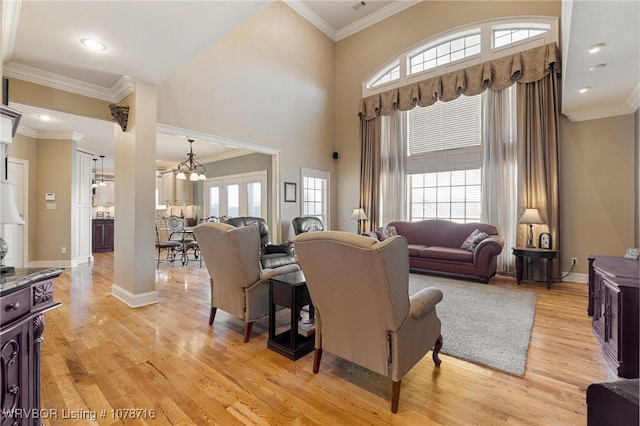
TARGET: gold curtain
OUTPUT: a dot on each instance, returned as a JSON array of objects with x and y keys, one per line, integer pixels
[
  {"x": 538, "y": 121},
  {"x": 370, "y": 131},
  {"x": 522, "y": 67}
]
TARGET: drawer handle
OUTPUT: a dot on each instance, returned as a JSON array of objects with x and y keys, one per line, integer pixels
[{"x": 14, "y": 306}]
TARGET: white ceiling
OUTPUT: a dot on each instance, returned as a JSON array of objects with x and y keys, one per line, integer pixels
[{"x": 149, "y": 40}]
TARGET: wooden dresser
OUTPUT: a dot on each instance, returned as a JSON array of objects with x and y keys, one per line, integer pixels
[
  {"x": 614, "y": 305},
  {"x": 24, "y": 297}
]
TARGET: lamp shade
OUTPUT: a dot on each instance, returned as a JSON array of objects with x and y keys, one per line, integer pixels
[
  {"x": 8, "y": 210},
  {"x": 531, "y": 216},
  {"x": 359, "y": 214}
]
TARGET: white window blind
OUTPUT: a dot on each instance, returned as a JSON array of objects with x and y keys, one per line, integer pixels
[{"x": 444, "y": 126}]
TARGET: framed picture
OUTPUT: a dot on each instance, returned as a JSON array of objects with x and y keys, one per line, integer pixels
[
  {"x": 289, "y": 192},
  {"x": 544, "y": 241},
  {"x": 632, "y": 253}
]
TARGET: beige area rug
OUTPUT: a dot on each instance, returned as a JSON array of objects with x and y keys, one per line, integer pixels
[{"x": 481, "y": 323}]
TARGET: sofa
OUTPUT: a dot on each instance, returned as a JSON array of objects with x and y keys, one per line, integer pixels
[{"x": 437, "y": 246}]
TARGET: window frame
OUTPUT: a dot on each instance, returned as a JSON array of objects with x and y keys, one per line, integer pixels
[
  {"x": 487, "y": 51},
  {"x": 317, "y": 174}
]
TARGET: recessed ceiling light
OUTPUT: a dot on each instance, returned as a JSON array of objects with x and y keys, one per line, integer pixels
[
  {"x": 595, "y": 48},
  {"x": 44, "y": 117},
  {"x": 93, "y": 44},
  {"x": 584, "y": 89},
  {"x": 597, "y": 67}
]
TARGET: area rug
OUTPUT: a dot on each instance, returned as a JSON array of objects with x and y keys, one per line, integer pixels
[{"x": 481, "y": 323}]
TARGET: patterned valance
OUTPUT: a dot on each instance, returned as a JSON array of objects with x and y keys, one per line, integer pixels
[{"x": 522, "y": 67}]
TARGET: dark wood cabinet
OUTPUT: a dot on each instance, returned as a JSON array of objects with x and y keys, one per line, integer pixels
[
  {"x": 613, "y": 303},
  {"x": 24, "y": 297},
  {"x": 103, "y": 230}
]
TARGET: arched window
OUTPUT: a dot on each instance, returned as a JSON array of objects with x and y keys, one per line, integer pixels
[
  {"x": 444, "y": 140},
  {"x": 462, "y": 47}
]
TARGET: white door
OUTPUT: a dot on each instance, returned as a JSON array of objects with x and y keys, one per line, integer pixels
[
  {"x": 237, "y": 195},
  {"x": 14, "y": 235}
]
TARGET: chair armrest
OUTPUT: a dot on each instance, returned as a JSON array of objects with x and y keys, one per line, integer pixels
[
  {"x": 371, "y": 234},
  {"x": 424, "y": 301},
  {"x": 270, "y": 273}
]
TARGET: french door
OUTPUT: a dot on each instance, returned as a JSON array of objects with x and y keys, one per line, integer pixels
[{"x": 236, "y": 195}]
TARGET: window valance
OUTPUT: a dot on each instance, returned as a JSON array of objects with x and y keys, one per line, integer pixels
[{"x": 522, "y": 67}]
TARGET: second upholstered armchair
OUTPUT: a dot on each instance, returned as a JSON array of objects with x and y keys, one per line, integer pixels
[
  {"x": 239, "y": 285},
  {"x": 360, "y": 290}
]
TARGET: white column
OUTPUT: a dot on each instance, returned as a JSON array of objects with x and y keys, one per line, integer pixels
[{"x": 135, "y": 153}]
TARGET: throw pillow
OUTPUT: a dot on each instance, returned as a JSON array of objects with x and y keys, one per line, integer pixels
[
  {"x": 473, "y": 240},
  {"x": 385, "y": 232}
]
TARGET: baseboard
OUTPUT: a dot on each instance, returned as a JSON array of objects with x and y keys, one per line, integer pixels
[
  {"x": 575, "y": 278},
  {"x": 134, "y": 300},
  {"x": 52, "y": 264}
]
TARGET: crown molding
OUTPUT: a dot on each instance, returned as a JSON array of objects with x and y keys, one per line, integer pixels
[
  {"x": 360, "y": 24},
  {"x": 220, "y": 140},
  {"x": 50, "y": 134},
  {"x": 630, "y": 106},
  {"x": 28, "y": 132},
  {"x": 377, "y": 16},
  {"x": 312, "y": 17},
  {"x": 10, "y": 16},
  {"x": 116, "y": 93}
]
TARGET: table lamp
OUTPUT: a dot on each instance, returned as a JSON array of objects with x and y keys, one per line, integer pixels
[
  {"x": 8, "y": 215},
  {"x": 529, "y": 217},
  {"x": 359, "y": 215}
]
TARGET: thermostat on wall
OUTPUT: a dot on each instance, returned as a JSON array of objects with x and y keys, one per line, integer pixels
[{"x": 49, "y": 196}]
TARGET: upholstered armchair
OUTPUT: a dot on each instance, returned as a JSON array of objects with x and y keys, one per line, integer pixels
[
  {"x": 271, "y": 255},
  {"x": 239, "y": 285},
  {"x": 360, "y": 290},
  {"x": 306, "y": 224}
]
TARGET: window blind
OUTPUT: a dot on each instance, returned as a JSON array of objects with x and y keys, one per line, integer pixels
[{"x": 444, "y": 125}]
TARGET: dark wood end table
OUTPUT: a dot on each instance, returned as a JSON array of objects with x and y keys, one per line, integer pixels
[
  {"x": 534, "y": 253},
  {"x": 289, "y": 291}
]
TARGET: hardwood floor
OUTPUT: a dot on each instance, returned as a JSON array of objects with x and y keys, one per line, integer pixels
[{"x": 99, "y": 354}]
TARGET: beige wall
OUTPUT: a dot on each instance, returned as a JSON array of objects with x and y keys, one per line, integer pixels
[
  {"x": 271, "y": 83},
  {"x": 28, "y": 93},
  {"x": 55, "y": 159},
  {"x": 597, "y": 188}
]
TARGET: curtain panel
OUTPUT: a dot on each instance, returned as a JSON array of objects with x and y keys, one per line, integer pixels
[{"x": 522, "y": 67}]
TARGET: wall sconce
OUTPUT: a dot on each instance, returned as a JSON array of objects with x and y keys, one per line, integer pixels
[{"x": 359, "y": 215}]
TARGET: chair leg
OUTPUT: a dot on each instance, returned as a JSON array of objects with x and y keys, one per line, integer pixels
[
  {"x": 212, "y": 315},
  {"x": 317, "y": 355},
  {"x": 247, "y": 331},
  {"x": 436, "y": 351},
  {"x": 395, "y": 396}
]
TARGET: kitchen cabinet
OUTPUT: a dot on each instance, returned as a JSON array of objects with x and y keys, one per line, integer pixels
[
  {"x": 174, "y": 192},
  {"x": 104, "y": 195},
  {"x": 102, "y": 235}
]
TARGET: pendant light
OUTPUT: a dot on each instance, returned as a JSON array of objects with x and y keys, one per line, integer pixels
[
  {"x": 94, "y": 184},
  {"x": 191, "y": 167},
  {"x": 102, "y": 174}
]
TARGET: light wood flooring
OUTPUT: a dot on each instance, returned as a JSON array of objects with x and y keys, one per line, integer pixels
[{"x": 99, "y": 354}]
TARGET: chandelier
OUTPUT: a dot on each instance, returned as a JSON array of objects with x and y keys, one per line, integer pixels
[{"x": 191, "y": 167}]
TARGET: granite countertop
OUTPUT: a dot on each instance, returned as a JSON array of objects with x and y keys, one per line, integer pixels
[{"x": 25, "y": 276}]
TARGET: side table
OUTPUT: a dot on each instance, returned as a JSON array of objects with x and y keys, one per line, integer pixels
[
  {"x": 534, "y": 253},
  {"x": 289, "y": 291}
]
